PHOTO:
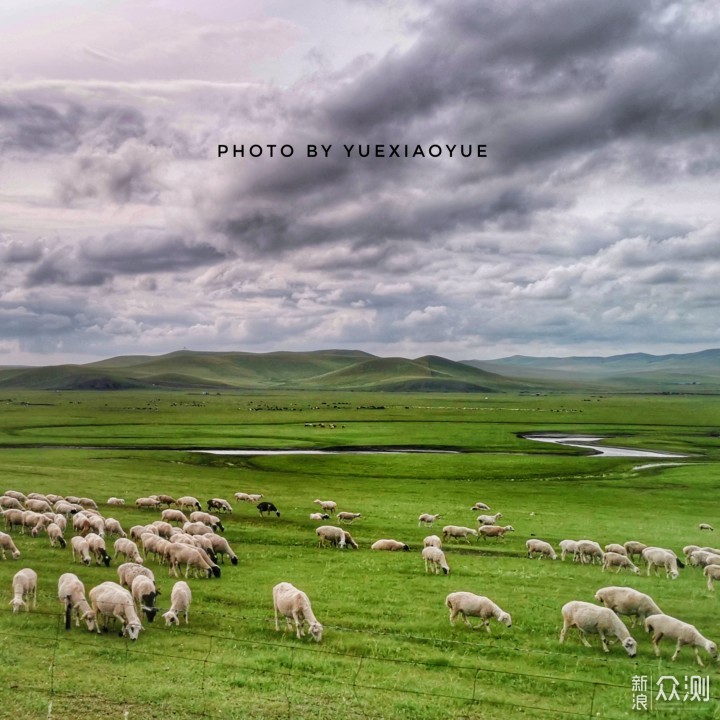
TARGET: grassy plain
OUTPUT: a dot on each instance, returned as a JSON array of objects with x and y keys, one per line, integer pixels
[{"x": 388, "y": 649}]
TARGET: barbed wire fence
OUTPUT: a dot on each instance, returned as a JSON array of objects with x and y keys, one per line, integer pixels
[{"x": 296, "y": 670}]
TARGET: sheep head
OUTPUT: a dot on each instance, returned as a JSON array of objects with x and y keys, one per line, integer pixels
[
  {"x": 630, "y": 646},
  {"x": 316, "y": 630}
]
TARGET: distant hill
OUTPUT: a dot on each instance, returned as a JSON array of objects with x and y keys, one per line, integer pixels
[
  {"x": 698, "y": 372},
  {"x": 356, "y": 370},
  {"x": 325, "y": 369}
]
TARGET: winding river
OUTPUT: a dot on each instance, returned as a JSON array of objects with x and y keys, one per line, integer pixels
[{"x": 583, "y": 441}]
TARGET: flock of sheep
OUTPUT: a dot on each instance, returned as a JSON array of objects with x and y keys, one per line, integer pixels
[{"x": 191, "y": 541}]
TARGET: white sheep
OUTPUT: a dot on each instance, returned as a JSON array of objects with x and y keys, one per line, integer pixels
[
  {"x": 219, "y": 504},
  {"x": 188, "y": 502},
  {"x": 127, "y": 572},
  {"x": 589, "y": 551},
  {"x": 666, "y": 626},
  {"x": 427, "y": 519},
  {"x": 111, "y": 600},
  {"x": 56, "y": 535},
  {"x": 24, "y": 585},
  {"x": 128, "y": 549},
  {"x": 457, "y": 531},
  {"x": 627, "y": 601},
  {"x": 656, "y": 557},
  {"x": 349, "y": 540},
  {"x": 468, "y": 604},
  {"x": 480, "y": 506},
  {"x": 432, "y": 541},
  {"x": 170, "y": 515},
  {"x": 706, "y": 526},
  {"x": 113, "y": 527},
  {"x": 71, "y": 592},
  {"x": 319, "y": 516},
  {"x": 633, "y": 548},
  {"x": 79, "y": 545},
  {"x": 348, "y": 516},
  {"x": 616, "y": 548},
  {"x": 328, "y": 506},
  {"x": 6, "y": 543},
  {"x": 541, "y": 548},
  {"x": 144, "y": 593},
  {"x": 703, "y": 558},
  {"x": 568, "y": 546},
  {"x": 330, "y": 534},
  {"x": 192, "y": 557},
  {"x": 613, "y": 559},
  {"x": 589, "y": 618},
  {"x": 220, "y": 546},
  {"x": 116, "y": 502},
  {"x": 294, "y": 604},
  {"x": 689, "y": 550},
  {"x": 435, "y": 558},
  {"x": 494, "y": 530},
  {"x": 711, "y": 572},
  {"x": 145, "y": 503},
  {"x": 180, "y": 599},
  {"x": 389, "y": 544},
  {"x": 489, "y": 519}
]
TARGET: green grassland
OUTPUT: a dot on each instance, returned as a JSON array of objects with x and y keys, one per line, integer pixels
[{"x": 388, "y": 650}]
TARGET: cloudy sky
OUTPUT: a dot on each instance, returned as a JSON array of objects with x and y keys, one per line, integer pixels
[{"x": 592, "y": 227}]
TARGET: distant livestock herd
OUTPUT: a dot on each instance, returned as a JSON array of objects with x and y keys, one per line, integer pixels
[{"x": 190, "y": 541}]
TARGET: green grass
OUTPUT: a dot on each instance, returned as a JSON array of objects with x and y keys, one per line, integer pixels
[{"x": 388, "y": 649}]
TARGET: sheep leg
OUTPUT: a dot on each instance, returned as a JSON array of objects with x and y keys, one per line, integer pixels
[
  {"x": 677, "y": 650},
  {"x": 657, "y": 637},
  {"x": 277, "y": 623},
  {"x": 426, "y": 566},
  {"x": 697, "y": 657},
  {"x": 487, "y": 626},
  {"x": 584, "y": 639},
  {"x": 604, "y": 642},
  {"x": 563, "y": 632},
  {"x": 709, "y": 582},
  {"x": 453, "y": 616}
]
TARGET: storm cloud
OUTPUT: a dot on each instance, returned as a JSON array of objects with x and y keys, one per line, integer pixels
[{"x": 590, "y": 228}]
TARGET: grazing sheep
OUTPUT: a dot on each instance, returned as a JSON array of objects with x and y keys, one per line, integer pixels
[
  {"x": 267, "y": 507},
  {"x": 221, "y": 547},
  {"x": 387, "y": 544},
  {"x": 627, "y": 601},
  {"x": 248, "y": 497},
  {"x": 212, "y": 521},
  {"x": 128, "y": 549},
  {"x": 219, "y": 504},
  {"x": 34, "y": 520},
  {"x": 164, "y": 529},
  {"x": 666, "y": 626},
  {"x": 165, "y": 499},
  {"x": 71, "y": 592},
  {"x": 10, "y": 503},
  {"x": 614, "y": 547},
  {"x": 144, "y": 594},
  {"x": 432, "y": 541},
  {"x": 330, "y": 534},
  {"x": 127, "y": 572},
  {"x": 457, "y": 531},
  {"x": 467, "y": 604},
  {"x": 6, "y": 543},
  {"x": 541, "y": 548},
  {"x": 328, "y": 506},
  {"x": 711, "y": 572},
  {"x": 427, "y": 519},
  {"x": 13, "y": 518},
  {"x": 568, "y": 546},
  {"x": 294, "y": 604},
  {"x": 489, "y": 519},
  {"x": 181, "y": 554},
  {"x": 37, "y": 496},
  {"x": 319, "y": 516},
  {"x": 435, "y": 557},
  {"x": 633, "y": 548},
  {"x": 180, "y": 599},
  {"x": 24, "y": 585},
  {"x": 117, "y": 502},
  {"x": 589, "y": 618},
  {"x": 174, "y": 516},
  {"x": 146, "y": 503},
  {"x": 113, "y": 527},
  {"x": 79, "y": 545},
  {"x": 136, "y": 531},
  {"x": 613, "y": 559},
  {"x": 154, "y": 545},
  {"x": 688, "y": 550},
  {"x": 348, "y": 516},
  {"x": 349, "y": 540},
  {"x": 656, "y": 557},
  {"x": 495, "y": 530},
  {"x": 63, "y": 507},
  {"x": 111, "y": 600},
  {"x": 56, "y": 535},
  {"x": 87, "y": 503},
  {"x": 589, "y": 551},
  {"x": 188, "y": 502},
  {"x": 197, "y": 528},
  {"x": 16, "y": 494},
  {"x": 480, "y": 506},
  {"x": 37, "y": 505},
  {"x": 705, "y": 526},
  {"x": 97, "y": 546}
]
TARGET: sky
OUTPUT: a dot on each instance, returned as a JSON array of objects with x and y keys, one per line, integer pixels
[{"x": 592, "y": 227}]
